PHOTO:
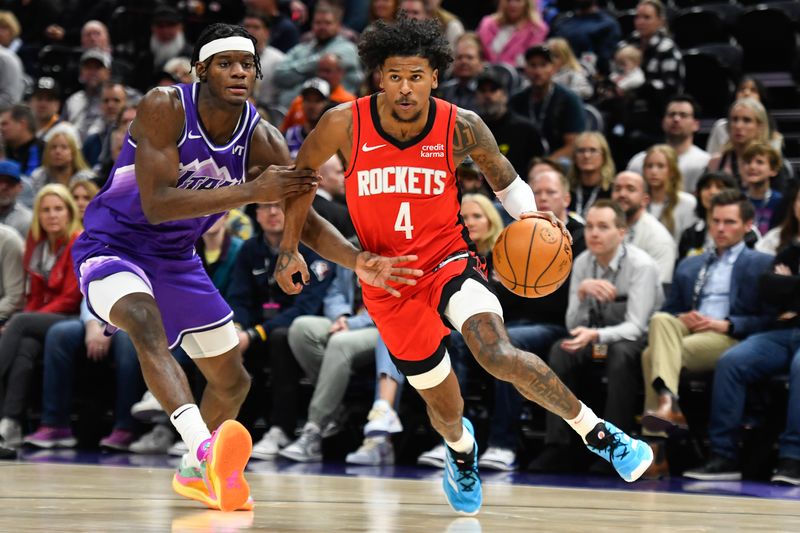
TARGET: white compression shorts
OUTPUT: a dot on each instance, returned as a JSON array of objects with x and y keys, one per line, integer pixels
[
  {"x": 471, "y": 299},
  {"x": 104, "y": 293}
]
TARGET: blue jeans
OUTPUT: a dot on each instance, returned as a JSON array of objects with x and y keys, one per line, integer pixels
[
  {"x": 535, "y": 338},
  {"x": 385, "y": 366},
  {"x": 758, "y": 357},
  {"x": 63, "y": 344}
]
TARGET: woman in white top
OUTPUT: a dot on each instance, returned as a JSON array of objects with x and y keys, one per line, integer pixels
[
  {"x": 569, "y": 72},
  {"x": 668, "y": 203},
  {"x": 747, "y": 122},
  {"x": 748, "y": 87}
]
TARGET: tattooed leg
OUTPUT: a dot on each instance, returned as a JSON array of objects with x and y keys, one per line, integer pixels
[
  {"x": 488, "y": 340},
  {"x": 445, "y": 407}
]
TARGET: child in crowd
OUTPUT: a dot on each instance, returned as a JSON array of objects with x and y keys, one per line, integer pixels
[
  {"x": 761, "y": 163},
  {"x": 627, "y": 73}
]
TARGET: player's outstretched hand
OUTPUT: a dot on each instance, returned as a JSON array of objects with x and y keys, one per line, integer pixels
[
  {"x": 552, "y": 218},
  {"x": 279, "y": 182},
  {"x": 289, "y": 263},
  {"x": 377, "y": 270}
]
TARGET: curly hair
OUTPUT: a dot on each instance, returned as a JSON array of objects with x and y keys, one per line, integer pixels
[
  {"x": 405, "y": 38},
  {"x": 221, "y": 30}
]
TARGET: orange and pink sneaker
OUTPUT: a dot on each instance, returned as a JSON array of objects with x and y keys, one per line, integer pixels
[{"x": 219, "y": 482}]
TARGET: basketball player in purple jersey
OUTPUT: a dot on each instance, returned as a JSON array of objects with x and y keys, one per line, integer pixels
[{"x": 194, "y": 151}]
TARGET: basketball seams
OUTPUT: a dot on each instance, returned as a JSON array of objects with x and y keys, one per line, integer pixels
[
  {"x": 510, "y": 258},
  {"x": 528, "y": 260},
  {"x": 510, "y": 265},
  {"x": 553, "y": 260}
]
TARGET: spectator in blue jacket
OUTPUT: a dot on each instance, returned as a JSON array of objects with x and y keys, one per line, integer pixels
[
  {"x": 263, "y": 314},
  {"x": 755, "y": 359},
  {"x": 714, "y": 301}
]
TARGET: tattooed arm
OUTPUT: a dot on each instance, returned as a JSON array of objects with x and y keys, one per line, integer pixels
[
  {"x": 333, "y": 131},
  {"x": 472, "y": 137}
]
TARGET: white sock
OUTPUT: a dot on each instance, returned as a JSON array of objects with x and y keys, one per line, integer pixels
[
  {"x": 382, "y": 405},
  {"x": 193, "y": 430},
  {"x": 584, "y": 422},
  {"x": 463, "y": 445}
]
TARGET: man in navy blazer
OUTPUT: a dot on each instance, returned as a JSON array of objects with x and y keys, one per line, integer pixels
[{"x": 713, "y": 302}]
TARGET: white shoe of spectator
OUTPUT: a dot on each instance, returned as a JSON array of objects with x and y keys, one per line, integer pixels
[
  {"x": 157, "y": 441},
  {"x": 331, "y": 428},
  {"x": 433, "y": 457},
  {"x": 10, "y": 433},
  {"x": 382, "y": 419},
  {"x": 148, "y": 409},
  {"x": 375, "y": 451},
  {"x": 495, "y": 458},
  {"x": 179, "y": 449},
  {"x": 307, "y": 448},
  {"x": 272, "y": 441}
]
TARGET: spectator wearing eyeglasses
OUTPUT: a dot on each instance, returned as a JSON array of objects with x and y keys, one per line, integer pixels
[
  {"x": 679, "y": 125},
  {"x": 591, "y": 172}
]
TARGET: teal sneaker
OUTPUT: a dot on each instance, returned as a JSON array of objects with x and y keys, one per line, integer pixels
[
  {"x": 629, "y": 457},
  {"x": 461, "y": 482}
]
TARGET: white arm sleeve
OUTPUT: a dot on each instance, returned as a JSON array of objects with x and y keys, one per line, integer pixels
[{"x": 517, "y": 198}]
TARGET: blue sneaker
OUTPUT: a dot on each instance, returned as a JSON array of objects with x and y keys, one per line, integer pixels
[
  {"x": 629, "y": 457},
  {"x": 461, "y": 482}
]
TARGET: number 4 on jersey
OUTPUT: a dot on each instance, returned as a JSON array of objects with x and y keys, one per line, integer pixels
[{"x": 403, "y": 222}]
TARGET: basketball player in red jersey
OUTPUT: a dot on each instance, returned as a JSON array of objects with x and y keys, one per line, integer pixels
[{"x": 402, "y": 147}]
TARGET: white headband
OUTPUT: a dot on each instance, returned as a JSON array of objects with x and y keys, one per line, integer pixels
[{"x": 227, "y": 44}]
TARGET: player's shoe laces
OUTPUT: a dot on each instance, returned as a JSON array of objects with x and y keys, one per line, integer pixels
[
  {"x": 188, "y": 482},
  {"x": 629, "y": 457},
  {"x": 461, "y": 482},
  {"x": 223, "y": 463}
]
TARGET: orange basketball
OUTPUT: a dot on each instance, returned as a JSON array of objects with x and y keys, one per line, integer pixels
[{"x": 532, "y": 258}]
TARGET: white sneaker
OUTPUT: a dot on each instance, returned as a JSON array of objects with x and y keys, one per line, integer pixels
[
  {"x": 307, "y": 448},
  {"x": 272, "y": 441},
  {"x": 433, "y": 457},
  {"x": 148, "y": 409},
  {"x": 157, "y": 441},
  {"x": 10, "y": 433},
  {"x": 179, "y": 449},
  {"x": 495, "y": 458},
  {"x": 382, "y": 419},
  {"x": 374, "y": 451}
]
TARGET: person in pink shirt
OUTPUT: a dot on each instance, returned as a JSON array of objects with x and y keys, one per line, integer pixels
[{"x": 515, "y": 27}]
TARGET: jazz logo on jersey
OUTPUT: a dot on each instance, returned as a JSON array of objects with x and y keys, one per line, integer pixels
[
  {"x": 401, "y": 180},
  {"x": 204, "y": 175}
]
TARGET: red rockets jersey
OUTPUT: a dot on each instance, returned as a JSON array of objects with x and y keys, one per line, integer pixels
[{"x": 402, "y": 195}]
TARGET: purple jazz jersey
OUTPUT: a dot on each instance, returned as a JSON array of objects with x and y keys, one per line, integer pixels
[{"x": 118, "y": 237}]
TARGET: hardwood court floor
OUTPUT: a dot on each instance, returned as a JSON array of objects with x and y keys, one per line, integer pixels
[{"x": 58, "y": 497}]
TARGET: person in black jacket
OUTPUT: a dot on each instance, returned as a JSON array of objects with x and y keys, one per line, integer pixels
[
  {"x": 263, "y": 314},
  {"x": 517, "y": 137}
]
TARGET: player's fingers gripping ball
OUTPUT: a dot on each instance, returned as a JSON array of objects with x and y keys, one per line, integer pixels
[{"x": 532, "y": 257}]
